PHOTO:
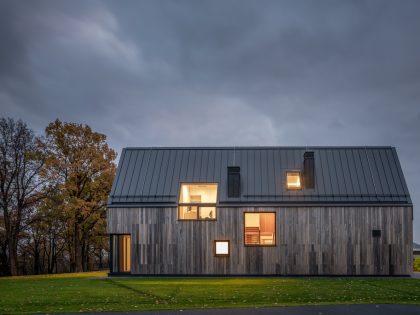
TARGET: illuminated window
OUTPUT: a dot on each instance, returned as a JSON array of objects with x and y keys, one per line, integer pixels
[
  {"x": 260, "y": 228},
  {"x": 293, "y": 180},
  {"x": 221, "y": 248},
  {"x": 121, "y": 253},
  {"x": 197, "y": 202}
]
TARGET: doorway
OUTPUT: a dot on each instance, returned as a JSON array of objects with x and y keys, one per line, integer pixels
[{"x": 121, "y": 253}]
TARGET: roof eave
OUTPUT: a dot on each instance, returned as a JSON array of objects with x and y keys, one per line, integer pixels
[{"x": 268, "y": 204}]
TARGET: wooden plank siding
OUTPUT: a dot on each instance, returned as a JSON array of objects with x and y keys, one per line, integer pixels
[{"x": 310, "y": 241}]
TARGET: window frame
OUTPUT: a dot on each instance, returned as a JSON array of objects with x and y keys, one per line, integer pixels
[
  {"x": 198, "y": 205},
  {"x": 300, "y": 179},
  {"x": 275, "y": 230},
  {"x": 214, "y": 248}
]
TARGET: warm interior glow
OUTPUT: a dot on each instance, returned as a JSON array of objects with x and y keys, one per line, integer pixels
[
  {"x": 207, "y": 213},
  {"x": 124, "y": 250},
  {"x": 293, "y": 180},
  {"x": 260, "y": 228},
  {"x": 188, "y": 212},
  {"x": 192, "y": 196},
  {"x": 222, "y": 248},
  {"x": 198, "y": 193}
]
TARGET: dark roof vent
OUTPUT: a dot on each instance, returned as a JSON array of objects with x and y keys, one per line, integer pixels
[
  {"x": 234, "y": 182},
  {"x": 308, "y": 170},
  {"x": 376, "y": 233}
]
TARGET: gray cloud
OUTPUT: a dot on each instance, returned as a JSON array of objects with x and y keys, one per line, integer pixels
[{"x": 219, "y": 72}]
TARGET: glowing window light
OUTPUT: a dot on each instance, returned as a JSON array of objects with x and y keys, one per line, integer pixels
[
  {"x": 221, "y": 248},
  {"x": 293, "y": 180}
]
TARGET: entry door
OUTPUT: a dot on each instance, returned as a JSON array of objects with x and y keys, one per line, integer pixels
[{"x": 121, "y": 253}]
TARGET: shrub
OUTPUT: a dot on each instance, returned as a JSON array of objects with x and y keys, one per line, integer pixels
[{"x": 416, "y": 265}]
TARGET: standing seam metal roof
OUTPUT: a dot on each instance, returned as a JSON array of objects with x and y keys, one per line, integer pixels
[{"x": 342, "y": 174}]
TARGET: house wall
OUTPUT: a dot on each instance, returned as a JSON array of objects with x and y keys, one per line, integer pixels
[{"x": 310, "y": 241}]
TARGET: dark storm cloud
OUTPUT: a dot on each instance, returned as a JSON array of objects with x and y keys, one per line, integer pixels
[{"x": 219, "y": 72}]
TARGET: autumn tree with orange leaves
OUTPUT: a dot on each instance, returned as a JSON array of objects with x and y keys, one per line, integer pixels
[{"x": 80, "y": 166}]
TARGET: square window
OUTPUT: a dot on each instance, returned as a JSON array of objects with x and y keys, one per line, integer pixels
[
  {"x": 188, "y": 212},
  {"x": 293, "y": 180},
  {"x": 260, "y": 229},
  {"x": 207, "y": 213},
  {"x": 221, "y": 248}
]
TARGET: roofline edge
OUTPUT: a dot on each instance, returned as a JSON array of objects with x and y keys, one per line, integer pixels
[
  {"x": 239, "y": 205},
  {"x": 259, "y": 147}
]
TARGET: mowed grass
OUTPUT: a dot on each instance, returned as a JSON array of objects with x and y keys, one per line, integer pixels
[{"x": 84, "y": 292}]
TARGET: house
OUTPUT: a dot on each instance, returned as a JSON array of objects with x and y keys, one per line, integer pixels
[{"x": 260, "y": 211}]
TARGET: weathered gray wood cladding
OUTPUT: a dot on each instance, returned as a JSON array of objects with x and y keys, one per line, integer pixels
[{"x": 310, "y": 241}]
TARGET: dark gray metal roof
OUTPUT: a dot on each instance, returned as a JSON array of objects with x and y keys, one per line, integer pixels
[{"x": 342, "y": 174}]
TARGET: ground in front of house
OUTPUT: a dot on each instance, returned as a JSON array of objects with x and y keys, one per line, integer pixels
[{"x": 94, "y": 292}]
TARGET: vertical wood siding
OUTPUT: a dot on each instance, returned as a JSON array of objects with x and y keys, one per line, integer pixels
[{"x": 310, "y": 241}]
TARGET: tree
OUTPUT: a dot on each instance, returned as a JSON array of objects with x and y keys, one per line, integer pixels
[
  {"x": 43, "y": 240},
  {"x": 81, "y": 163},
  {"x": 21, "y": 161}
]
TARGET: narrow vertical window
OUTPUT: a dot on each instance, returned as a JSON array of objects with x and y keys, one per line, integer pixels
[
  {"x": 121, "y": 253},
  {"x": 260, "y": 228},
  {"x": 234, "y": 182}
]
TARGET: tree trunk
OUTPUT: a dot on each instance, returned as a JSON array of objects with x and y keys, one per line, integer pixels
[
  {"x": 76, "y": 264},
  {"x": 36, "y": 258},
  {"x": 52, "y": 257},
  {"x": 4, "y": 262},
  {"x": 100, "y": 257},
  {"x": 13, "y": 261},
  {"x": 8, "y": 242}
]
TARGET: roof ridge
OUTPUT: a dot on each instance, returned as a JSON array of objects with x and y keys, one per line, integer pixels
[{"x": 260, "y": 148}]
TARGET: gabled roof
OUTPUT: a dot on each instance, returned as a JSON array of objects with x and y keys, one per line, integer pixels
[{"x": 343, "y": 175}]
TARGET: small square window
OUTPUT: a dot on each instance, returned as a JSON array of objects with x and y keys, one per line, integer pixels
[
  {"x": 221, "y": 248},
  {"x": 376, "y": 233},
  {"x": 293, "y": 180}
]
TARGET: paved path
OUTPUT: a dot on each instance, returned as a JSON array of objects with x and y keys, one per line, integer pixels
[
  {"x": 415, "y": 275},
  {"x": 383, "y": 309}
]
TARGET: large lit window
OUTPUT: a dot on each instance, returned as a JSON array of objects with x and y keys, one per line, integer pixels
[
  {"x": 197, "y": 202},
  {"x": 221, "y": 248},
  {"x": 293, "y": 180},
  {"x": 260, "y": 228},
  {"x": 121, "y": 253}
]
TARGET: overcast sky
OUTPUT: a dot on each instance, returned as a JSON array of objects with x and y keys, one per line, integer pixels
[{"x": 218, "y": 73}]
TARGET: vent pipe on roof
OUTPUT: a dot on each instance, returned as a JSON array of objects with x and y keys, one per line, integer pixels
[{"x": 308, "y": 170}]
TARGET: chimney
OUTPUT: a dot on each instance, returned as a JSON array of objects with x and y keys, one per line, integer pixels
[
  {"x": 308, "y": 170},
  {"x": 234, "y": 182}
]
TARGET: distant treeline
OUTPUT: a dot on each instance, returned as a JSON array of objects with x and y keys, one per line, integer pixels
[{"x": 53, "y": 194}]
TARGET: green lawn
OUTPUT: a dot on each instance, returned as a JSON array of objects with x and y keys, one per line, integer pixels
[{"x": 94, "y": 292}]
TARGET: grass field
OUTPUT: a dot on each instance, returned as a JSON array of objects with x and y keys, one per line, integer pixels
[{"x": 94, "y": 292}]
